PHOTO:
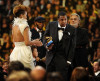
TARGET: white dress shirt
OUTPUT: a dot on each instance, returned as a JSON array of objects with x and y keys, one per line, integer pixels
[
  {"x": 60, "y": 32},
  {"x": 60, "y": 35},
  {"x": 40, "y": 33},
  {"x": 96, "y": 73}
]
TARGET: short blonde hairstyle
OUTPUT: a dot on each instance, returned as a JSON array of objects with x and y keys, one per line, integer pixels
[{"x": 19, "y": 9}]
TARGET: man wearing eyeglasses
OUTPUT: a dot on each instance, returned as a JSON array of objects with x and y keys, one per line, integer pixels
[{"x": 81, "y": 56}]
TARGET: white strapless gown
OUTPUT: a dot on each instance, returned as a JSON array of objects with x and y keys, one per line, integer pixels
[{"x": 21, "y": 52}]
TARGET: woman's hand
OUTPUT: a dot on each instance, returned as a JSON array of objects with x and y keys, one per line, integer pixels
[{"x": 37, "y": 42}]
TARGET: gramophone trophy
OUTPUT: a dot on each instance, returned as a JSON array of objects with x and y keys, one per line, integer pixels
[{"x": 49, "y": 41}]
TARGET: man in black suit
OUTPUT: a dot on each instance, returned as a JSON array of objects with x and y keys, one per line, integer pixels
[
  {"x": 81, "y": 56},
  {"x": 60, "y": 54},
  {"x": 38, "y": 32}
]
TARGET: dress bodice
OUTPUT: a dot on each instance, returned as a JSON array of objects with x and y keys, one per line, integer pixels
[{"x": 22, "y": 24}]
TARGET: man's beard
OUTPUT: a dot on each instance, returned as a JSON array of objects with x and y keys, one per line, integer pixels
[{"x": 40, "y": 28}]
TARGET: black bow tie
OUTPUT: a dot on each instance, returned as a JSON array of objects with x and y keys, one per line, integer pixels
[{"x": 61, "y": 29}]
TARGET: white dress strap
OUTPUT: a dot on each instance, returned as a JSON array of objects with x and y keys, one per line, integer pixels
[{"x": 22, "y": 28}]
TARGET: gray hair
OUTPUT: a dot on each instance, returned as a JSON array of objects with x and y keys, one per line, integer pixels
[{"x": 76, "y": 15}]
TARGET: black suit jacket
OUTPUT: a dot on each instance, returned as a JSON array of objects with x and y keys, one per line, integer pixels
[
  {"x": 41, "y": 50},
  {"x": 81, "y": 55},
  {"x": 98, "y": 75},
  {"x": 35, "y": 34},
  {"x": 69, "y": 40},
  {"x": 82, "y": 37}
]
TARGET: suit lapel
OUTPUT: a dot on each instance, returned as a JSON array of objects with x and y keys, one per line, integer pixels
[
  {"x": 68, "y": 31},
  {"x": 66, "y": 36},
  {"x": 55, "y": 32}
]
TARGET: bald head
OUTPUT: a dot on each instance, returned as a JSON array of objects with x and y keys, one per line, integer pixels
[{"x": 38, "y": 73}]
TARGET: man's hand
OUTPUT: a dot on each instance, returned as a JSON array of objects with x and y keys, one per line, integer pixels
[{"x": 50, "y": 47}]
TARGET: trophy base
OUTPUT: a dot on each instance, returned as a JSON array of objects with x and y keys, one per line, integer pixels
[{"x": 49, "y": 43}]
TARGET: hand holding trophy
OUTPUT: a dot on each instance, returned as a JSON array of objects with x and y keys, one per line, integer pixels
[{"x": 49, "y": 43}]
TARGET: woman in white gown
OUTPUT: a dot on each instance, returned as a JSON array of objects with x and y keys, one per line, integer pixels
[{"x": 22, "y": 38}]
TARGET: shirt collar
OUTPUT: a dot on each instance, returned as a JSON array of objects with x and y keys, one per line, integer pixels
[
  {"x": 37, "y": 29},
  {"x": 60, "y": 26},
  {"x": 96, "y": 73}
]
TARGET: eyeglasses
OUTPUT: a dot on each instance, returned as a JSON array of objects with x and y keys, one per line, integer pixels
[{"x": 73, "y": 19}]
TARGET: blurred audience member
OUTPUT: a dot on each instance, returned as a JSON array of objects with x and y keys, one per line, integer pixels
[
  {"x": 38, "y": 74},
  {"x": 97, "y": 54},
  {"x": 15, "y": 66},
  {"x": 80, "y": 6},
  {"x": 54, "y": 76},
  {"x": 79, "y": 74},
  {"x": 96, "y": 66},
  {"x": 19, "y": 76}
]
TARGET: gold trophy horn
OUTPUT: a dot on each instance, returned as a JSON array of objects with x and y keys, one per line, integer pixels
[{"x": 49, "y": 40}]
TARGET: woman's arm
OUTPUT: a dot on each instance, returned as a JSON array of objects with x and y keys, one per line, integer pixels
[{"x": 35, "y": 42}]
